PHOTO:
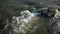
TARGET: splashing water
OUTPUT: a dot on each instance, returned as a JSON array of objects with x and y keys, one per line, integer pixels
[
  {"x": 57, "y": 19},
  {"x": 19, "y": 23}
]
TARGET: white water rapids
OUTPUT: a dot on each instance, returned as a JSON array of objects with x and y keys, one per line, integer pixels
[{"x": 19, "y": 23}]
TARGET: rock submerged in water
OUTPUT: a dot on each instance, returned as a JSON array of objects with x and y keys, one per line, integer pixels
[{"x": 49, "y": 12}]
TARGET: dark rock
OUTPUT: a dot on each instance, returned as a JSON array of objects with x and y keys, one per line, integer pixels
[{"x": 49, "y": 12}]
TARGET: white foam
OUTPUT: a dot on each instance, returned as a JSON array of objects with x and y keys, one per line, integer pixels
[
  {"x": 57, "y": 15},
  {"x": 22, "y": 20}
]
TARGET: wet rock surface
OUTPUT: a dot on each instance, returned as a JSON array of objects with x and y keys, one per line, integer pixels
[{"x": 49, "y": 12}]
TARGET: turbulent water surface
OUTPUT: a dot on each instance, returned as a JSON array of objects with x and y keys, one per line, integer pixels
[{"x": 28, "y": 22}]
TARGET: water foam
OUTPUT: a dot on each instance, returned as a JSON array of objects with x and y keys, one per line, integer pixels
[{"x": 20, "y": 22}]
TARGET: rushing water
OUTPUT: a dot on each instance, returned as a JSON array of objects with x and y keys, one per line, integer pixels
[
  {"x": 27, "y": 18},
  {"x": 19, "y": 23}
]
